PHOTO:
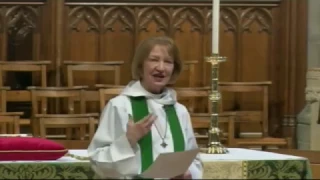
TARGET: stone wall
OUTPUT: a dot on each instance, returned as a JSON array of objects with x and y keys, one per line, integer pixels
[{"x": 308, "y": 127}]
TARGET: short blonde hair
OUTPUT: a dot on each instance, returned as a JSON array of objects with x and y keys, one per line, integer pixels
[{"x": 145, "y": 47}]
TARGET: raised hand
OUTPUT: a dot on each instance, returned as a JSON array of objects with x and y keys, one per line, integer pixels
[{"x": 135, "y": 131}]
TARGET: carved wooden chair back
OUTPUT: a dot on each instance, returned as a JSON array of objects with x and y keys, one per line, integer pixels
[
  {"x": 109, "y": 66},
  {"x": 201, "y": 121},
  {"x": 42, "y": 120},
  {"x": 9, "y": 121},
  {"x": 255, "y": 116},
  {"x": 23, "y": 66},
  {"x": 190, "y": 67},
  {"x": 105, "y": 94}
]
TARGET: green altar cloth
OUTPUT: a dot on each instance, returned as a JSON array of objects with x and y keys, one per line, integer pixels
[
  {"x": 43, "y": 170},
  {"x": 279, "y": 169},
  {"x": 216, "y": 168}
]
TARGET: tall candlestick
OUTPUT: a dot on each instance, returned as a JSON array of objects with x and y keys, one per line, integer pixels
[
  {"x": 214, "y": 145},
  {"x": 215, "y": 26}
]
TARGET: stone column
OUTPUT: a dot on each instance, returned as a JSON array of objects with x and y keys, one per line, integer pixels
[
  {"x": 308, "y": 127},
  {"x": 313, "y": 33}
]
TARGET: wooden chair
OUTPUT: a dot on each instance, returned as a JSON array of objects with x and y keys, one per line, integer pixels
[
  {"x": 73, "y": 66},
  {"x": 259, "y": 116},
  {"x": 201, "y": 121},
  {"x": 8, "y": 119},
  {"x": 23, "y": 66},
  {"x": 190, "y": 66},
  {"x": 42, "y": 120},
  {"x": 105, "y": 94},
  {"x": 108, "y": 86}
]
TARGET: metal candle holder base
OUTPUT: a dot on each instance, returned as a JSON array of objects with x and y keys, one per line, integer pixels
[{"x": 214, "y": 145}]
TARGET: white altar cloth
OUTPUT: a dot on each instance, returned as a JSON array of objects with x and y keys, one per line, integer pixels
[
  {"x": 235, "y": 154},
  {"x": 240, "y": 154}
]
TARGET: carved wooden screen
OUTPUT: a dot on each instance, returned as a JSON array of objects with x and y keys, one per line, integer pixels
[
  {"x": 256, "y": 36},
  {"x": 20, "y": 40},
  {"x": 20, "y": 37},
  {"x": 111, "y": 31},
  {"x": 264, "y": 40}
]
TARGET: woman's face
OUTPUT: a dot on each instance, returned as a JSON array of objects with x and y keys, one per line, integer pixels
[{"x": 157, "y": 69}]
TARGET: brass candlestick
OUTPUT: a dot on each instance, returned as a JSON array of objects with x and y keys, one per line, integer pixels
[{"x": 214, "y": 145}]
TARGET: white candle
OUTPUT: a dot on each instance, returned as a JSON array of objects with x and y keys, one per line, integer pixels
[{"x": 215, "y": 26}]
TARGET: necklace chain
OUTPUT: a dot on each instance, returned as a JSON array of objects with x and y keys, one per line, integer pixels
[{"x": 163, "y": 144}]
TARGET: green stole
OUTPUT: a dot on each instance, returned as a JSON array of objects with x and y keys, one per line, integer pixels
[{"x": 139, "y": 111}]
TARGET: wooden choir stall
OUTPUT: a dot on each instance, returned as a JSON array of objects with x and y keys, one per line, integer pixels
[{"x": 61, "y": 61}]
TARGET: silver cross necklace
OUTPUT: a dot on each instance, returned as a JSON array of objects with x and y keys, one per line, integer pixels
[{"x": 163, "y": 144}]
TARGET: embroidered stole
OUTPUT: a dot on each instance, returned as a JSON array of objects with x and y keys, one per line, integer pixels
[{"x": 139, "y": 111}]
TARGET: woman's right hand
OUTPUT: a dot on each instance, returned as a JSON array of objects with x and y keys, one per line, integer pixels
[{"x": 135, "y": 131}]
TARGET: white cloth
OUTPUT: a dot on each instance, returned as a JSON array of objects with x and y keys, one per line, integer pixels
[
  {"x": 235, "y": 154},
  {"x": 110, "y": 150},
  {"x": 239, "y": 154}
]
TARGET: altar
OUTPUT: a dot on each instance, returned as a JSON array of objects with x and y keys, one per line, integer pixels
[
  {"x": 238, "y": 164},
  {"x": 252, "y": 164}
]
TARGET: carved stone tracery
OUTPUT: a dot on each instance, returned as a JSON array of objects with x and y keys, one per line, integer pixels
[
  {"x": 310, "y": 114},
  {"x": 313, "y": 86},
  {"x": 312, "y": 94}
]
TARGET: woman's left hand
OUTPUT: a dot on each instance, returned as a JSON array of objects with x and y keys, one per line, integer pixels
[{"x": 186, "y": 175}]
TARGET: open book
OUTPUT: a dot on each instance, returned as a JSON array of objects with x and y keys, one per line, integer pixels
[{"x": 166, "y": 165}]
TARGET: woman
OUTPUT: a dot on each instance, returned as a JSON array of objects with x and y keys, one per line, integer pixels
[{"x": 145, "y": 119}]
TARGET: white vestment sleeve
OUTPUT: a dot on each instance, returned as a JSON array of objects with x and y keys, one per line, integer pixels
[
  {"x": 196, "y": 168},
  {"x": 110, "y": 150}
]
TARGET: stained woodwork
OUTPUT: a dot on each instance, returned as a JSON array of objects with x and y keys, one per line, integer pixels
[
  {"x": 42, "y": 119},
  {"x": 264, "y": 40},
  {"x": 9, "y": 122}
]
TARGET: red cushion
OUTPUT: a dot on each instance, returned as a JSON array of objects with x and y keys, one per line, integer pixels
[{"x": 30, "y": 149}]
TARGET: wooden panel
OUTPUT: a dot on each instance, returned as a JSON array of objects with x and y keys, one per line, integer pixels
[
  {"x": 264, "y": 40},
  {"x": 247, "y": 35},
  {"x": 21, "y": 39}
]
